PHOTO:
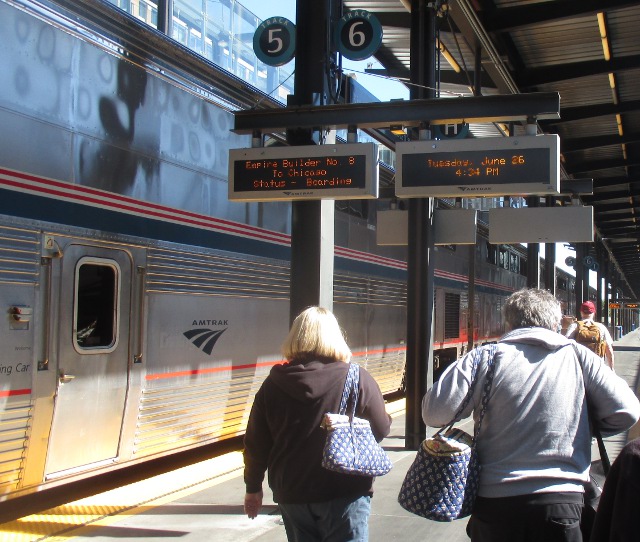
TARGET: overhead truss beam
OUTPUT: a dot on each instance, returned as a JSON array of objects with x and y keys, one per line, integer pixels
[{"x": 410, "y": 113}]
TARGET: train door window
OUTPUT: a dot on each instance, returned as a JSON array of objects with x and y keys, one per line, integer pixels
[
  {"x": 96, "y": 305},
  {"x": 451, "y": 315}
]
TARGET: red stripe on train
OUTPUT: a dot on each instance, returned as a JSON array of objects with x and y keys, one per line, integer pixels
[{"x": 11, "y": 393}]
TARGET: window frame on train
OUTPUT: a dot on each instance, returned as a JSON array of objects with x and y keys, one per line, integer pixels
[{"x": 88, "y": 313}]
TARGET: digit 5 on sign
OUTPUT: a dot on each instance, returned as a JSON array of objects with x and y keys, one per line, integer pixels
[{"x": 274, "y": 41}]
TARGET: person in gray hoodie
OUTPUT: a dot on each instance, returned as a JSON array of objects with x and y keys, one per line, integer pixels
[
  {"x": 534, "y": 446},
  {"x": 285, "y": 438}
]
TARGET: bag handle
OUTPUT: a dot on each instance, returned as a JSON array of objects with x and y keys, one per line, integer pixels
[
  {"x": 477, "y": 358},
  {"x": 350, "y": 390}
]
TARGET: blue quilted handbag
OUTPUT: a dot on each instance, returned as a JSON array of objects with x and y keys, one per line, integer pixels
[
  {"x": 351, "y": 447},
  {"x": 442, "y": 483}
]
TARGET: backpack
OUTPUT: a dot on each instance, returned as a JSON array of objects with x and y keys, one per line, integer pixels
[{"x": 589, "y": 335}]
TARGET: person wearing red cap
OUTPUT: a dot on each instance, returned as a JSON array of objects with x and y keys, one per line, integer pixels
[{"x": 588, "y": 312}]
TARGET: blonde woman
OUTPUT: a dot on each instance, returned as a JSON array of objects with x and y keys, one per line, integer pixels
[{"x": 284, "y": 436}]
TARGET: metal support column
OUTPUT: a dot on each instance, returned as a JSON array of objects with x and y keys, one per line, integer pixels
[
  {"x": 164, "y": 19},
  {"x": 420, "y": 289},
  {"x": 550, "y": 258},
  {"x": 599, "y": 256},
  {"x": 579, "y": 288},
  {"x": 471, "y": 292},
  {"x": 312, "y": 222},
  {"x": 533, "y": 254},
  {"x": 605, "y": 272}
]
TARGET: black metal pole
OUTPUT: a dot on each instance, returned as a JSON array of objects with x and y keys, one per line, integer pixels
[
  {"x": 606, "y": 272},
  {"x": 312, "y": 222},
  {"x": 471, "y": 319},
  {"x": 420, "y": 287},
  {"x": 579, "y": 288},
  {"x": 550, "y": 258},
  {"x": 533, "y": 254},
  {"x": 599, "y": 254}
]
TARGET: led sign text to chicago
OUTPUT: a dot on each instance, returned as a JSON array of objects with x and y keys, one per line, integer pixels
[
  {"x": 345, "y": 171},
  {"x": 295, "y": 174}
]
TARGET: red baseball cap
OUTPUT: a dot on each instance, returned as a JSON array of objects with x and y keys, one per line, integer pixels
[{"x": 588, "y": 307}]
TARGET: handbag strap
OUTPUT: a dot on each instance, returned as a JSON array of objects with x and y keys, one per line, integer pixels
[
  {"x": 491, "y": 369},
  {"x": 488, "y": 382},
  {"x": 595, "y": 430},
  {"x": 350, "y": 390}
]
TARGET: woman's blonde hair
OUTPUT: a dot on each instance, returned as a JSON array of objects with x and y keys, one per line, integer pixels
[{"x": 315, "y": 333}]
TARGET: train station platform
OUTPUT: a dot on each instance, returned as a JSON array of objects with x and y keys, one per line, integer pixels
[{"x": 204, "y": 501}]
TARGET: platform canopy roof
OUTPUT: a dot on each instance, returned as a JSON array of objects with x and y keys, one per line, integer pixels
[{"x": 586, "y": 50}]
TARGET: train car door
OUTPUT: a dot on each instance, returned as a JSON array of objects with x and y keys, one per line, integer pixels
[{"x": 92, "y": 358}]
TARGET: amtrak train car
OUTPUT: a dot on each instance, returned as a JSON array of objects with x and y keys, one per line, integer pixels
[{"x": 142, "y": 308}]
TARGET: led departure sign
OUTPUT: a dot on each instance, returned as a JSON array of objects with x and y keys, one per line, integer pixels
[
  {"x": 348, "y": 171},
  {"x": 478, "y": 167}
]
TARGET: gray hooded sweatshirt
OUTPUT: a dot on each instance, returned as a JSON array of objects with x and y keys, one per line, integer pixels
[{"x": 535, "y": 435}]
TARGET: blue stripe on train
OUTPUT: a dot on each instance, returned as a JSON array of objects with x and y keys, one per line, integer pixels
[
  {"x": 34, "y": 207},
  {"x": 45, "y": 209},
  {"x": 83, "y": 216}
]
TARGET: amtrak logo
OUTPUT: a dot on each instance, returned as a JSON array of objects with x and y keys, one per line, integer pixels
[
  {"x": 474, "y": 188},
  {"x": 205, "y": 339}
]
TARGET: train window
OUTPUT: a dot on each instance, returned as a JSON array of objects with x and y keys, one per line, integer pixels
[
  {"x": 451, "y": 315},
  {"x": 515, "y": 263},
  {"x": 492, "y": 254},
  {"x": 504, "y": 258},
  {"x": 96, "y": 307}
]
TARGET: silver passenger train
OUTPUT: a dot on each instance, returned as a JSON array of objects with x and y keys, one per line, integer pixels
[{"x": 142, "y": 308}]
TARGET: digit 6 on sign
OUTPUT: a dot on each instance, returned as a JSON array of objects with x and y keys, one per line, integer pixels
[{"x": 356, "y": 37}]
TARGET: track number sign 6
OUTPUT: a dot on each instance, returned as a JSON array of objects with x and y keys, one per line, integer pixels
[
  {"x": 274, "y": 41},
  {"x": 358, "y": 35}
]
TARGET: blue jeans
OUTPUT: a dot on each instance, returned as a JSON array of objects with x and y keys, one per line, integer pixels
[{"x": 338, "y": 520}]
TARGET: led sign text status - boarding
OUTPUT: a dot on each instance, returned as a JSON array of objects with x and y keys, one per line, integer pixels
[
  {"x": 482, "y": 167},
  {"x": 346, "y": 171}
]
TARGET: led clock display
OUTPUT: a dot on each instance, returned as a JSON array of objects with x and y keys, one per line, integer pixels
[{"x": 478, "y": 167}]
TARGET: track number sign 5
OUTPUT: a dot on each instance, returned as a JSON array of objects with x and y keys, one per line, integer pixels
[{"x": 274, "y": 41}]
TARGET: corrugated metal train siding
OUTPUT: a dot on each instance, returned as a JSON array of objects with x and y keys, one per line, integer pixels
[
  {"x": 19, "y": 266},
  {"x": 190, "y": 273},
  {"x": 19, "y": 255},
  {"x": 190, "y": 414},
  {"x": 14, "y": 428}
]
